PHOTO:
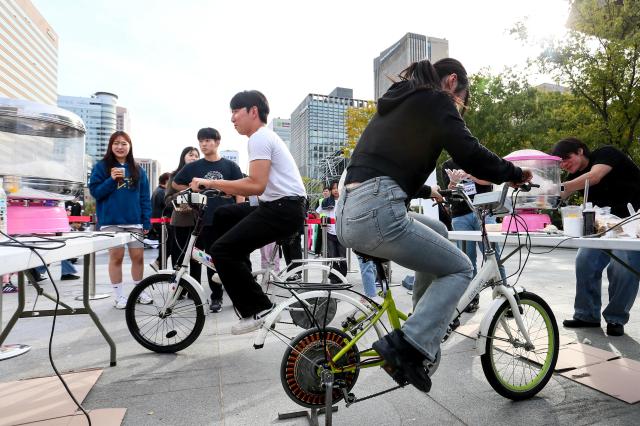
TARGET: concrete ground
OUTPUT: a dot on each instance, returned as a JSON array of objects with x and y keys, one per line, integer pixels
[{"x": 222, "y": 380}]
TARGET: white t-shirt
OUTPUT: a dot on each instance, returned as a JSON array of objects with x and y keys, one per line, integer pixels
[{"x": 284, "y": 177}]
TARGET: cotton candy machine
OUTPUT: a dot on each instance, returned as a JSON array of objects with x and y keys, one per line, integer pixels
[
  {"x": 528, "y": 205},
  {"x": 42, "y": 162}
]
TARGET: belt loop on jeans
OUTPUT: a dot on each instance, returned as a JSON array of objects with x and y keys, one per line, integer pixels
[{"x": 376, "y": 186}]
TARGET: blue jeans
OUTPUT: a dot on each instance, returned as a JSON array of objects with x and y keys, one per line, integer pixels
[
  {"x": 67, "y": 268},
  {"x": 368, "y": 274},
  {"x": 372, "y": 218},
  {"x": 470, "y": 222},
  {"x": 623, "y": 285}
]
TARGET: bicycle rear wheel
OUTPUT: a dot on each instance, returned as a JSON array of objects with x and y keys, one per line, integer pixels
[
  {"x": 514, "y": 371},
  {"x": 304, "y": 359},
  {"x": 172, "y": 331}
]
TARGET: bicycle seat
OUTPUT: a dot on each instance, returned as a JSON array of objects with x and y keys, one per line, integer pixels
[{"x": 368, "y": 257}]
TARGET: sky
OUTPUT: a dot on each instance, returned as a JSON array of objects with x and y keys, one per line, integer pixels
[{"x": 176, "y": 64}]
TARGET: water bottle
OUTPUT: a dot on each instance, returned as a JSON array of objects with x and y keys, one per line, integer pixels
[{"x": 3, "y": 212}]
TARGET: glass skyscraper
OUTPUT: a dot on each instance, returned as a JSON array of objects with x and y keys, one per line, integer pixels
[
  {"x": 99, "y": 115},
  {"x": 318, "y": 129}
]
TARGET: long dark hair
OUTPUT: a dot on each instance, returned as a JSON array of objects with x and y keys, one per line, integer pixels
[
  {"x": 111, "y": 161},
  {"x": 423, "y": 74},
  {"x": 182, "y": 162}
]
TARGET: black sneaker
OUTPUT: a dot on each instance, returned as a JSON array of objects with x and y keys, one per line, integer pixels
[
  {"x": 216, "y": 305},
  {"x": 576, "y": 323},
  {"x": 615, "y": 329},
  {"x": 403, "y": 362}
]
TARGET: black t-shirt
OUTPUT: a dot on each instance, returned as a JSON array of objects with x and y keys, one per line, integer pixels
[
  {"x": 618, "y": 187},
  {"x": 212, "y": 170},
  {"x": 460, "y": 208}
]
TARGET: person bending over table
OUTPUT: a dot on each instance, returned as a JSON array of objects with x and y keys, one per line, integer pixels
[{"x": 614, "y": 180}]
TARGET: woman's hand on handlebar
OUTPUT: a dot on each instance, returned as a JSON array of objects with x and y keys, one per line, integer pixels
[{"x": 435, "y": 195}]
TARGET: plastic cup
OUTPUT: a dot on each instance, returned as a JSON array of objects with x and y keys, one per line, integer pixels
[{"x": 572, "y": 221}]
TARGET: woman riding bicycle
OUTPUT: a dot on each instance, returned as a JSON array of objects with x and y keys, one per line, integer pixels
[{"x": 417, "y": 118}]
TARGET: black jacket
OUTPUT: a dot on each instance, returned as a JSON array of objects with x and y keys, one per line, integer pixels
[{"x": 407, "y": 134}]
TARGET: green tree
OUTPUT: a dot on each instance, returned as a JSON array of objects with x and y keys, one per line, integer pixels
[
  {"x": 356, "y": 119},
  {"x": 599, "y": 60}
]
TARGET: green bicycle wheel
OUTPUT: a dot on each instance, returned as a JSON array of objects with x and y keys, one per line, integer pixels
[{"x": 514, "y": 371}]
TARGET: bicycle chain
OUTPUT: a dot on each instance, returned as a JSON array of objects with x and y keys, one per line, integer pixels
[{"x": 351, "y": 398}]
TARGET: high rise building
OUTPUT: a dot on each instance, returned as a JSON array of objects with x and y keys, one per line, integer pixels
[
  {"x": 410, "y": 48},
  {"x": 318, "y": 131},
  {"x": 152, "y": 168},
  {"x": 282, "y": 127},
  {"x": 99, "y": 115},
  {"x": 29, "y": 54},
  {"x": 231, "y": 154},
  {"x": 123, "y": 122}
]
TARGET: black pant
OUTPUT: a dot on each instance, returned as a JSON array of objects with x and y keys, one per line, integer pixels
[
  {"x": 239, "y": 229},
  {"x": 292, "y": 250},
  {"x": 168, "y": 242},
  {"x": 183, "y": 233},
  {"x": 335, "y": 249}
]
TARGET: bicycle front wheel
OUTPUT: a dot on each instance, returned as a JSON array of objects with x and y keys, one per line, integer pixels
[
  {"x": 513, "y": 370},
  {"x": 172, "y": 330}
]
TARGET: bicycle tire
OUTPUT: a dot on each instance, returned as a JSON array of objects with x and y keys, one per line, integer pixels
[
  {"x": 173, "y": 332},
  {"x": 300, "y": 372},
  {"x": 515, "y": 372}
]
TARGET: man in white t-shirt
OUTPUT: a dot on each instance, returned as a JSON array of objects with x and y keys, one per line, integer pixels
[{"x": 239, "y": 229}]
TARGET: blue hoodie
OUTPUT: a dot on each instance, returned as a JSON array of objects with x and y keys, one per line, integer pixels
[{"x": 117, "y": 203}]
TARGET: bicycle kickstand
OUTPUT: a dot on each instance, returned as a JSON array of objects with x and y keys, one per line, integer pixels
[{"x": 327, "y": 382}]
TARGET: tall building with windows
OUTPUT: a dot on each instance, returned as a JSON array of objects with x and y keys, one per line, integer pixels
[
  {"x": 318, "y": 130},
  {"x": 410, "y": 48},
  {"x": 28, "y": 54},
  {"x": 123, "y": 122},
  {"x": 152, "y": 167},
  {"x": 282, "y": 127},
  {"x": 99, "y": 115}
]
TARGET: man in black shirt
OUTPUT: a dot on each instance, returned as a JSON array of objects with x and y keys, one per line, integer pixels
[
  {"x": 614, "y": 181},
  {"x": 211, "y": 167}
]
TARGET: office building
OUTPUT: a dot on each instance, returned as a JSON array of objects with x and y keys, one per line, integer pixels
[
  {"x": 410, "y": 48},
  {"x": 152, "y": 168},
  {"x": 282, "y": 127},
  {"x": 231, "y": 154},
  {"x": 99, "y": 115},
  {"x": 123, "y": 122},
  {"x": 29, "y": 54},
  {"x": 318, "y": 132}
]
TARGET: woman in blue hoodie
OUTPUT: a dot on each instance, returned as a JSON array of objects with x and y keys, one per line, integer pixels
[{"x": 123, "y": 204}]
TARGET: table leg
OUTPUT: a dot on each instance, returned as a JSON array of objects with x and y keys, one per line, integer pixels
[
  {"x": 89, "y": 263},
  {"x": 11, "y": 351}
]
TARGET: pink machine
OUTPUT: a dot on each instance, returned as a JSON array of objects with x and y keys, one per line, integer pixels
[
  {"x": 42, "y": 163},
  {"x": 528, "y": 205}
]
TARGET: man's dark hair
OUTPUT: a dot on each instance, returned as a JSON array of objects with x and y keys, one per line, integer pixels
[
  {"x": 209, "y": 133},
  {"x": 251, "y": 98},
  {"x": 164, "y": 178},
  {"x": 565, "y": 147}
]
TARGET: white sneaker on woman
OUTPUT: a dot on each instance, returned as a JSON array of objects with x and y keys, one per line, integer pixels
[{"x": 120, "y": 302}]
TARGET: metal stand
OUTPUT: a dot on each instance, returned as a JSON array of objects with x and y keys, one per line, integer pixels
[
  {"x": 163, "y": 245},
  {"x": 10, "y": 351},
  {"x": 89, "y": 278},
  {"x": 327, "y": 410}
]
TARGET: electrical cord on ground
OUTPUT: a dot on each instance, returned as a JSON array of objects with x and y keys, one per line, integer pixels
[{"x": 55, "y": 311}]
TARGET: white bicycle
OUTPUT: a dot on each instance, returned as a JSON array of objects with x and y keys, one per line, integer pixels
[{"x": 176, "y": 316}]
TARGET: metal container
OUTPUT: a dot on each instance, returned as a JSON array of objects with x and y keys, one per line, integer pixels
[{"x": 41, "y": 151}]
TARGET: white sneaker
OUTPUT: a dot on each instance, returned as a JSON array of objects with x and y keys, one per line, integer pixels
[
  {"x": 251, "y": 323},
  {"x": 120, "y": 302},
  {"x": 145, "y": 298},
  {"x": 155, "y": 265}
]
